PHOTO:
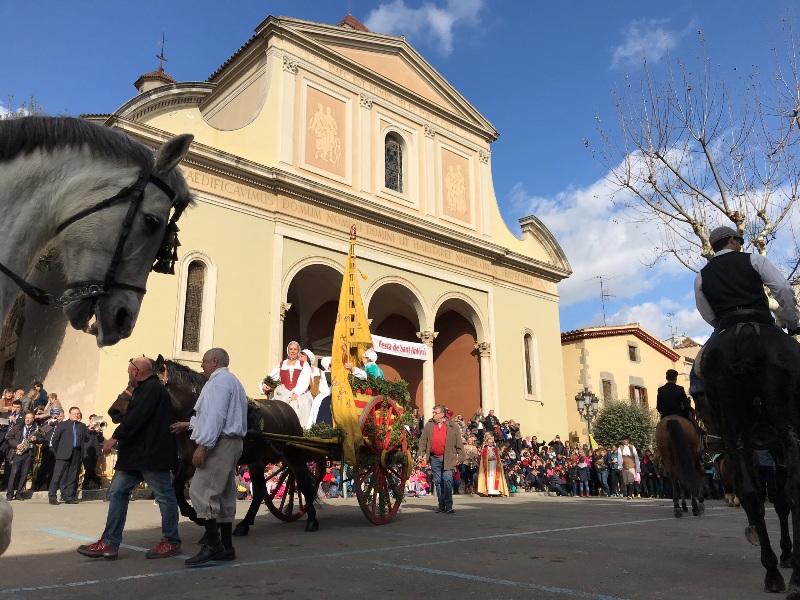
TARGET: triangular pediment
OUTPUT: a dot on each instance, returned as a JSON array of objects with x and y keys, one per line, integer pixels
[
  {"x": 394, "y": 68},
  {"x": 392, "y": 62}
]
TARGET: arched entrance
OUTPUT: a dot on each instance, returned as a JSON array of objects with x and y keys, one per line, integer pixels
[
  {"x": 394, "y": 311},
  {"x": 456, "y": 362},
  {"x": 314, "y": 298}
]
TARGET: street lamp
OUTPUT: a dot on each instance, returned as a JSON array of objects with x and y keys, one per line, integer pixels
[{"x": 588, "y": 405}]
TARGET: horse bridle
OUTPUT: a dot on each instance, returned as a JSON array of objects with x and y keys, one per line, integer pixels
[{"x": 164, "y": 262}]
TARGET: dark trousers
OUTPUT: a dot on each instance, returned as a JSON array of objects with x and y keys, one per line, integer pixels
[
  {"x": 90, "y": 472},
  {"x": 65, "y": 477},
  {"x": 45, "y": 472},
  {"x": 20, "y": 467}
]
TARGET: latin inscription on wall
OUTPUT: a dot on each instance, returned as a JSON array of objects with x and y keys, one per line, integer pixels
[{"x": 321, "y": 217}]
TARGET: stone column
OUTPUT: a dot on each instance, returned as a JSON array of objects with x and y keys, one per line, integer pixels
[
  {"x": 428, "y": 394},
  {"x": 290, "y": 66},
  {"x": 365, "y": 125},
  {"x": 485, "y": 351}
]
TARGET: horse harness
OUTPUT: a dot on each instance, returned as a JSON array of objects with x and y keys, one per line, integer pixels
[{"x": 164, "y": 262}]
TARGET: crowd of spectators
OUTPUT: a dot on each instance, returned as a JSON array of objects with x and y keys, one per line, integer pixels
[
  {"x": 28, "y": 424},
  {"x": 557, "y": 466}
]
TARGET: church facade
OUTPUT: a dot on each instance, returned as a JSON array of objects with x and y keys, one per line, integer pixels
[{"x": 304, "y": 132}]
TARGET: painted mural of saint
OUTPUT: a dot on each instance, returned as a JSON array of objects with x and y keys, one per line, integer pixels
[
  {"x": 325, "y": 129},
  {"x": 456, "y": 190}
]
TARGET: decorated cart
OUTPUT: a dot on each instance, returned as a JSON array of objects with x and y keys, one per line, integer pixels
[{"x": 370, "y": 418}]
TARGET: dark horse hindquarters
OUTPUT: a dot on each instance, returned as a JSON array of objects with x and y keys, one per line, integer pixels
[{"x": 752, "y": 382}]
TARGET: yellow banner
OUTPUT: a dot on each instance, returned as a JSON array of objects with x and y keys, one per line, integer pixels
[{"x": 351, "y": 338}]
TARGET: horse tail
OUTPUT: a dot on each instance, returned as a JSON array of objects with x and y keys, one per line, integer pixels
[{"x": 684, "y": 461}]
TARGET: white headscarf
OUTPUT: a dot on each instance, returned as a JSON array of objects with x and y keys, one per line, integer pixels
[
  {"x": 371, "y": 355},
  {"x": 326, "y": 362},
  {"x": 292, "y": 343},
  {"x": 310, "y": 355}
]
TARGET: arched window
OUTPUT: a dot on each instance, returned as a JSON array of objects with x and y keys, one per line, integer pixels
[
  {"x": 193, "y": 306},
  {"x": 393, "y": 151},
  {"x": 530, "y": 362}
]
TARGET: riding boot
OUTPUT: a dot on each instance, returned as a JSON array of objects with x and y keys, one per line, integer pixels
[
  {"x": 212, "y": 533},
  {"x": 226, "y": 531},
  {"x": 212, "y": 550}
]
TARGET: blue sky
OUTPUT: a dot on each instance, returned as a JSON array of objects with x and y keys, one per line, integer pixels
[{"x": 539, "y": 71}]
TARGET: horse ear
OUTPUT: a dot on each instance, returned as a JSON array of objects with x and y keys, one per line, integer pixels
[
  {"x": 160, "y": 360},
  {"x": 172, "y": 153}
]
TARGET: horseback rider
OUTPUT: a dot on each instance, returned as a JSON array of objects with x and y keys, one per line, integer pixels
[
  {"x": 730, "y": 288},
  {"x": 672, "y": 399}
]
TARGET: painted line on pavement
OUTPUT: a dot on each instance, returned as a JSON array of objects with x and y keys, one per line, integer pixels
[
  {"x": 84, "y": 538},
  {"x": 506, "y": 582},
  {"x": 329, "y": 555}
]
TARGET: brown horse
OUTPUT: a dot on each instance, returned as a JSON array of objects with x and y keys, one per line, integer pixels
[
  {"x": 680, "y": 447},
  {"x": 272, "y": 416}
]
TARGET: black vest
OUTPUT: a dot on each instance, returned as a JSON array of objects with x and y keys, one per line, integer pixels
[{"x": 730, "y": 283}]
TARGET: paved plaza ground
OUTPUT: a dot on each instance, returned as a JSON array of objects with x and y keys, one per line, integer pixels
[{"x": 526, "y": 546}]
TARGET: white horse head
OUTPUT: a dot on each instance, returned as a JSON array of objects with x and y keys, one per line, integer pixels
[{"x": 77, "y": 183}]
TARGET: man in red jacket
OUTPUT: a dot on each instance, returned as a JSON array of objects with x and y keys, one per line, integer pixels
[{"x": 441, "y": 442}]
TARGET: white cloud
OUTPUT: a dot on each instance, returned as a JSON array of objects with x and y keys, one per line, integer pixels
[
  {"x": 4, "y": 112},
  {"x": 429, "y": 21},
  {"x": 650, "y": 36},
  {"x": 663, "y": 318},
  {"x": 598, "y": 239}
]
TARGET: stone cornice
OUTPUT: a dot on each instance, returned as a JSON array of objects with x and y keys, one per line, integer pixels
[
  {"x": 168, "y": 96},
  {"x": 533, "y": 226},
  {"x": 277, "y": 181}
]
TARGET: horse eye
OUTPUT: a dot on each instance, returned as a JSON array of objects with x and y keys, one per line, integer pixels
[{"x": 152, "y": 223}]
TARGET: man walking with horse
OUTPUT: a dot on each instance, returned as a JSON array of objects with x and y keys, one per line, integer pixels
[
  {"x": 218, "y": 429},
  {"x": 146, "y": 452}
]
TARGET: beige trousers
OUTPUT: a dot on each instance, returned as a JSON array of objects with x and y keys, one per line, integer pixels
[{"x": 213, "y": 487}]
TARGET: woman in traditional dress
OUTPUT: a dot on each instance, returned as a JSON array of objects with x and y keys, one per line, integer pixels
[
  {"x": 295, "y": 377},
  {"x": 491, "y": 478}
]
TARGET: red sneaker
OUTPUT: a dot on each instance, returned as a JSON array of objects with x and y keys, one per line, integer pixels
[
  {"x": 99, "y": 550},
  {"x": 164, "y": 550}
]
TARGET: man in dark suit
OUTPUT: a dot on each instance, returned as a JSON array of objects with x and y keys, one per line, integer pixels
[
  {"x": 672, "y": 398},
  {"x": 21, "y": 457},
  {"x": 68, "y": 442}
]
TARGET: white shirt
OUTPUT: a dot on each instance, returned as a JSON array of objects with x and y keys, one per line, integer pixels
[
  {"x": 772, "y": 278},
  {"x": 359, "y": 373},
  {"x": 220, "y": 410}
]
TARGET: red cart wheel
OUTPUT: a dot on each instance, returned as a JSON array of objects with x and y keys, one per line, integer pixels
[
  {"x": 285, "y": 501},
  {"x": 381, "y": 465}
]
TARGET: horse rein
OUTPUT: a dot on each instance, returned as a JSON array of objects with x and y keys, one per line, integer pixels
[{"x": 81, "y": 290}]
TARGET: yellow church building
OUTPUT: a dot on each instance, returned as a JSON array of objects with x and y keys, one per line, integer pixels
[{"x": 306, "y": 130}]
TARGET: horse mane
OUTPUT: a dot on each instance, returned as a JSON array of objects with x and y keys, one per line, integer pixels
[
  {"x": 22, "y": 136},
  {"x": 181, "y": 374}
]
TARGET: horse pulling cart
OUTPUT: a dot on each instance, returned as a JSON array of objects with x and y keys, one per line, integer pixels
[
  {"x": 370, "y": 414},
  {"x": 380, "y": 470}
]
